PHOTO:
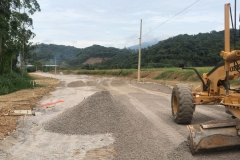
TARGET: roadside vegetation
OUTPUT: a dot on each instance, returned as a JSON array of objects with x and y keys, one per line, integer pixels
[
  {"x": 15, "y": 34},
  {"x": 182, "y": 74},
  {"x": 235, "y": 82},
  {"x": 13, "y": 82},
  {"x": 164, "y": 73}
]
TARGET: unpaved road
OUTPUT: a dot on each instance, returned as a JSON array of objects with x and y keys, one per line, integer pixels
[{"x": 107, "y": 118}]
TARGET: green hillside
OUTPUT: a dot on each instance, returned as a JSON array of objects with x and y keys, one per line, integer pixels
[
  {"x": 46, "y": 53},
  {"x": 110, "y": 56},
  {"x": 202, "y": 49}
]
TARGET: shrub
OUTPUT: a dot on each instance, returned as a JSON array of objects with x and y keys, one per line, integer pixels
[{"x": 12, "y": 82}]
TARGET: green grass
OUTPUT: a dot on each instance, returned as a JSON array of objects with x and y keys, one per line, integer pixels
[
  {"x": 13, "y": 82},
  {"x": 164, "y": 75},
  {"x": 126, "y": 72},
  {"x": 182, "y": 74},
  {"x": 235, "y": 82},
  {"x": 187, "y": 75}
]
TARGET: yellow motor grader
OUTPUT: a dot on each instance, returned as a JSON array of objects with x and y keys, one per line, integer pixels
[{"x": 215, "y": 90}]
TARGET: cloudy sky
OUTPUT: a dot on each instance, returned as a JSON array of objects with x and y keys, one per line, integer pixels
[{"x": 116, "y": 23}]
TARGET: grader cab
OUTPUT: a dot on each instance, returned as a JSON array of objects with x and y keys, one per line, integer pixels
[{"x": 215, "y": 90}]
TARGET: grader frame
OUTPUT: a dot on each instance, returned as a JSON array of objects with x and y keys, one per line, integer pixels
[{"x": 215, "y": 90}]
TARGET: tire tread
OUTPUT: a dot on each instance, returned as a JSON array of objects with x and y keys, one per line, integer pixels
[{"x": 185, "y": 104}]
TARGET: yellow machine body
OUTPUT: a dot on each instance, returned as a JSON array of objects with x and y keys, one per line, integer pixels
[{"x": 215, "y": 90}]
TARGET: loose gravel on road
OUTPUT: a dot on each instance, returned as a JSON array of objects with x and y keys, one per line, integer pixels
[
  {"x": 108, "y": 118},
  {"x": 134, "y": 136}
]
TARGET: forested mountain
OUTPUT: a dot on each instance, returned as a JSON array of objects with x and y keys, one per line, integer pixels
[
  {"x": 202, "y": 49},
  {"x": 72, "y": 56},
  {"x": 48, "y": 52},
  {"x": 108, "y": 54}
]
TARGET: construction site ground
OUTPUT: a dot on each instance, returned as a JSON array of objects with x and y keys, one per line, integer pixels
[{"x": 93, "y": 117}]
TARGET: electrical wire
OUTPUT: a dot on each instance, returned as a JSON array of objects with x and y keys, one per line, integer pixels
[
  {"x": 171, "y": 18},
  {"x": 168, "y": 19}
]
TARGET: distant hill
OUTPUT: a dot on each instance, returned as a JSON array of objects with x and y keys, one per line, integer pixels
[
  {"x": 202, "y": 49},
  {"x": 71, "y": 56},
  {"x": 48, "y": 52},
  {"x": 97, "y": 51}
]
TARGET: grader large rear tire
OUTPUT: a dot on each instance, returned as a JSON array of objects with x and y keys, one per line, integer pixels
[{"x": 182, "y": 104}]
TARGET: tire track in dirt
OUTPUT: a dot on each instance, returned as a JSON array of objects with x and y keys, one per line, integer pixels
[
  {"x": 214, "y": 113},
  {"x": 163, "y": 110},
  {"x": 172, "y": 135},
  {"x": 210, "y": 111},
  {"x": 162, "y": 113},
  {"x": 167, "y": 130}
]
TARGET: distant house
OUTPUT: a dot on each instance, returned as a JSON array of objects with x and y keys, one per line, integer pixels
[
  {"x": 29, "y": 65},
  {"x": 48, "y": 65}
]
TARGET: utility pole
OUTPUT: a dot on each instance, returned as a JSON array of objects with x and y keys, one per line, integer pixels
[
  {"x": 55, "y": 66},
  {"x": 139, "y": 54},
  {"x": 11, "y": 64},
  {"x": 22, "y": 54}
]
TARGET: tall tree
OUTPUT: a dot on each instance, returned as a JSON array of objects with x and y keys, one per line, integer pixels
[
  {"x": 15, "y": 32},
  {"x": 4, "y": 19}
]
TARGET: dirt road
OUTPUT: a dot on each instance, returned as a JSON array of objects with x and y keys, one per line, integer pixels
[{"x": 107, "y": 118}]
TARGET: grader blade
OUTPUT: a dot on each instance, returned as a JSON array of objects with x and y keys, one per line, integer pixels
[{"x": 214, "y": 135}]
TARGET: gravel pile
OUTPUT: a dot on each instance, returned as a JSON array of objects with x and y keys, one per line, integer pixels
[
  {"x": 101, "y": 113},
  {"x": 97, "y": 114},
  {"x": 76, "y": 84}
]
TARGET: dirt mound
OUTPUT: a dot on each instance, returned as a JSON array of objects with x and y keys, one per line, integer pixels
[{"x": 76, "y": 84}]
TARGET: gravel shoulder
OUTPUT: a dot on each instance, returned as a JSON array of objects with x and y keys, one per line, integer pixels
[{"x": 107, "y": 118}]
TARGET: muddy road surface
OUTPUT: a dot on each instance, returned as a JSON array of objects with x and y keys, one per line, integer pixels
[{"x": 107, "y": 118}]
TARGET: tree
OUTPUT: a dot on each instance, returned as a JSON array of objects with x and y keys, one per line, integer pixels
[{"x": 15, "y": 31}]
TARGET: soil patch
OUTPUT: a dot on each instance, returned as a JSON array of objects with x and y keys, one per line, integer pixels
[
  {"x": 145, "y": 74},
  {"x": 22, "y": 100},
  {"x": 93, "y": 60}
]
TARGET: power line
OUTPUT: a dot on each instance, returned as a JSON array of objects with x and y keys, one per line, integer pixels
[
  {"x": 171, "y": 17},
  {"x": 167, "y": 20}
]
